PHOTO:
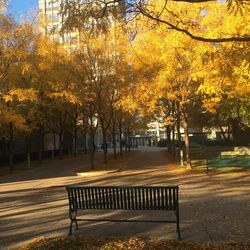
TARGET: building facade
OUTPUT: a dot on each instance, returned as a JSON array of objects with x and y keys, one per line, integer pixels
[{"x": 50, "y": 18}]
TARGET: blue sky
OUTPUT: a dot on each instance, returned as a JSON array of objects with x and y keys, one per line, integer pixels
[{"x": 22, "y": 7}]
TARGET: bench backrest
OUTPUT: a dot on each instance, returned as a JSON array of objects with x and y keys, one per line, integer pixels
[{"x": 123, "y": 198}]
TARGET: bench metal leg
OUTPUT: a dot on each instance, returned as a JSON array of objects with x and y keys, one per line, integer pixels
[
  {"x": 178, "y": 230},
  {"x": 70, "y": 228},
  {"x": 76, "y": 224},
  {"x": 72, "y": 216},
  {"x": 71, "y": 225}
]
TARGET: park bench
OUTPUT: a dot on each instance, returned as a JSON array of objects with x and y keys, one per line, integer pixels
[{"x": 123, "y": 198}]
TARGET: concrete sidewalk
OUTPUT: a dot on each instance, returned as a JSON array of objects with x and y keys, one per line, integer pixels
[{"x": 213, "y": 208}]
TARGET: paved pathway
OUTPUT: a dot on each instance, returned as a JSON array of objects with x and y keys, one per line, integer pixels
[{"x": 213, "y": 208}]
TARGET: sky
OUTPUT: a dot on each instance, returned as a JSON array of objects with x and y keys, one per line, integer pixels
[{"x": 22, "y": 8}]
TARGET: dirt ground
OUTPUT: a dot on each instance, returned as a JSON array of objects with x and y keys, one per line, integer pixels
[{"x": 34, "y": 203}]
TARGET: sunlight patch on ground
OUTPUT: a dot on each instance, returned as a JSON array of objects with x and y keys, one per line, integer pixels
[{"x": 96, "y": 173}]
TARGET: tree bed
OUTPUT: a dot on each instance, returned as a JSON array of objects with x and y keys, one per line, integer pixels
[{"x": 77, "y": 242}]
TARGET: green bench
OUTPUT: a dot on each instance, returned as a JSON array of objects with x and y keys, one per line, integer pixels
[{"x": 153, "y": 198}]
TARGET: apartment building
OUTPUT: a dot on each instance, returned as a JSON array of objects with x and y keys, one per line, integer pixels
[{"x": 52, "y": 21}]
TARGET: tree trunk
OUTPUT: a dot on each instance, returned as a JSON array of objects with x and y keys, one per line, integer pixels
[
  {"x": 92, "y": 149},
  {"x": 220, "y": 127},
  {"x": 28, "y": 150},
  {"x": 114, "y": 141},
  {"x": 54, "y": 146},
  {"x": 75, "y": 140},
  {"x": 173, "y": 141},
  {"x": 235, "y": 131},
  {"x": 228, "y": 132},
  {"x": 120, "y": 136},
  {"x": 5, "y": 147},
  {"x": 105, "y": 149},
  {"x": 11, "y": 148},
  {"x": 222, "y": 132},
  {"x": 126, "y": 141},
  {"x": 60, "y": 146},
  {"x": 40, "y": 152},
  {"x": 169, "y": 138},
  {"x": 187, "y": 142},
  {"x": 85, "y": 145},
  {"x": 178, "y": 128},
  {"x": 129, "y": 141}
]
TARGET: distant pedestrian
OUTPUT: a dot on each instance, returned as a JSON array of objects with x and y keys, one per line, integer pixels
[{"x": 102, "y": 147}]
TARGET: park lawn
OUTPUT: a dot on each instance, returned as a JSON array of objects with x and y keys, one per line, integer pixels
[
  {"x": 80, "y": 243},
  {"x": 217, "y": 164},
  {"x": 200, "y": 165},
  {"x": 218, "y": 167}
]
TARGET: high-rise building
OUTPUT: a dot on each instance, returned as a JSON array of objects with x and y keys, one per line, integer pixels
[
  {"x": 49, "y": 12},
  {"x": 53, "y": 20}
]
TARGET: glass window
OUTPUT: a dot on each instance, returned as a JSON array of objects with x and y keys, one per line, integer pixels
[{"x": 52, "y": 3}]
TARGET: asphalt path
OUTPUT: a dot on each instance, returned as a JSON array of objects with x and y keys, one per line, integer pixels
[{"x": 213, "y": 208}]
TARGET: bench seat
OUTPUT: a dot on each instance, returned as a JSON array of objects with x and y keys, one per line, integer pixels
[{"x": 155, "y": 198}]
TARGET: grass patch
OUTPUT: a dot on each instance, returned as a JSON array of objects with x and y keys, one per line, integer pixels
[
  {"x": 230, "y": 161},
  {"x": 219, "y": 164},
  {"x": 80, "y": 243}
]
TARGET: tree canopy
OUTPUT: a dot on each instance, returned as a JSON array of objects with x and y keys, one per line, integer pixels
[{"x": 183, "y": 63}]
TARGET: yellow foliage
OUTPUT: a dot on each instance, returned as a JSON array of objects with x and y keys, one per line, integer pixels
[
  {"x": 65, "y": 95},
  {"x": 21, "y": 95},
  {"x": 8, "y": 116},
  {"x": 169, "y": 121}
]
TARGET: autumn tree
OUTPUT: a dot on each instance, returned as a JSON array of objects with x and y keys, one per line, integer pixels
[
  {"x": 15, "y": 41},
  {"x": 226, "y": 88},
  {"x": 168, "y": 78},
  {"x": 164, "y": 12},
  {"x": 100, "y": 52}
]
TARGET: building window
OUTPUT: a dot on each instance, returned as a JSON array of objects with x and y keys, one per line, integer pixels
[{"x": 52, "y": 4}]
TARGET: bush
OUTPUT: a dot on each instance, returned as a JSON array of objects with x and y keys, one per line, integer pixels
[
  {"x": 162, "y": 143},
  {"x": 219, "y": 143}
]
